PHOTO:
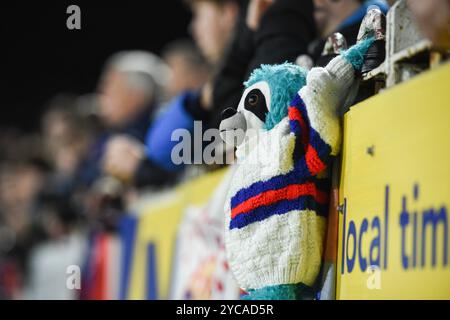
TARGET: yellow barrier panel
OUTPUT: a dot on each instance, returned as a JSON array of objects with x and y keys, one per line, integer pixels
[
  {"x": 395, "y": 193},
  {"x": 156, "y": 236}
]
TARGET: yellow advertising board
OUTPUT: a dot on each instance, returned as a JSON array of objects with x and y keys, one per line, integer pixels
[
  {"x": 394, "y": 197},
  {"x": 156, "y": 235}
]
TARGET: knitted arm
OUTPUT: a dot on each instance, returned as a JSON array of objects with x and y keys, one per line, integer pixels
[{"x": 313, "y": 114}]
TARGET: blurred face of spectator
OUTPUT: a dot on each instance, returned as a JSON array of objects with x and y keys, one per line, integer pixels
[
  {"x": 184, "y": 76},
  {"x": 65, "y": 140},
  {"x": 56, "y": 129},
  {"x": 52, "y": 224},
  {"x": 19, "y": 184},
  {"x": 119, "y": 103},
  {"x": 329, "y": 14},
  {"x": 67, "y": 158},
  {"x": 7, "y": 193},
  {"x": 433, "y": 18},
  {"x": 212, "y": 26}
]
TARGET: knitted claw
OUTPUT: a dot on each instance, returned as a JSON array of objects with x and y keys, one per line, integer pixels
[
  {"x": 335, "y": 44},
  {"x": 373, "y": 26},
  {"x": 355, "y": 55}
]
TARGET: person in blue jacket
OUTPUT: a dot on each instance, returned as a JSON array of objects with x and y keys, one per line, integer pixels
[{"x": 149, "y": 165}]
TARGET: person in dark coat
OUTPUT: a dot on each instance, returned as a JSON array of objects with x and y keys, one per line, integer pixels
[{"x": 267, "y": 32}]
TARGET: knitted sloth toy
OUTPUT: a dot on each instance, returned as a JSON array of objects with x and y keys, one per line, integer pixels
[{"x": 286, "y": 129}]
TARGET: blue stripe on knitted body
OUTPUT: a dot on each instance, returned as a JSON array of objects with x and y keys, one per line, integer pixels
[
  {"x": 295, "y": 127},
  {"x": 284, "y": 206},
  {"x": 322, "y": 148},
  {"x": 274, "y": 183},
  {"x": 299, "y": 104},
  {"x": 314, "y": 139}
]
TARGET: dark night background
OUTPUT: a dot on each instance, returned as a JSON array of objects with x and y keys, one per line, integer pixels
[{"x": 40, "y": 57}]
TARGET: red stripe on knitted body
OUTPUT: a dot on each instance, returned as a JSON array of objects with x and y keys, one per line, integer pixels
[
  {"x": 294, "y": 114},
  {"x": 315, "y": 165},
  {"x": 272, "y": 196}
]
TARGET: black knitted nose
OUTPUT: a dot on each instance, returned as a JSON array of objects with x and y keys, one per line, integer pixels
[{"x": 228, "y": 113}]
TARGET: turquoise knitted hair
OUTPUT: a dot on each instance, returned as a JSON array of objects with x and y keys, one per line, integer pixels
[{"x": 284, "y": 81}]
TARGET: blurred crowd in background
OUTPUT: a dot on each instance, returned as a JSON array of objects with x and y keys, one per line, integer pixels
[{"x": 96, "y": 154}]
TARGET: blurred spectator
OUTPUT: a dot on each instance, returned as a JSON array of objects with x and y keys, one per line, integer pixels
[
  {"x": 19, "y": 185},
  {"x": 58, "y": 123},
  {"x": 17, "y": 145},
  {"x": 67, "y": 136},
  {"x": 129, "y": 91},
  {"x": 343, "y": 16},
  {"x": 268, "y": 32},
  {"x": 330, "y": 14},
  {"x": 189, "y": 69},
  {"x": 63, "y": 247},
  {"x": 56, "y": 215},
  {"x": 433, "y": 17},
  {"x": 49, "y": 266},
  {"x": 212, "y": 27},
  {"x": 22, "y": 175}
]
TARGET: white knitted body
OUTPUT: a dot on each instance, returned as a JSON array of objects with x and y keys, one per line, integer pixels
[
  {"x": 259, "y": 253},
  {"x": 282, "y": 249}
]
